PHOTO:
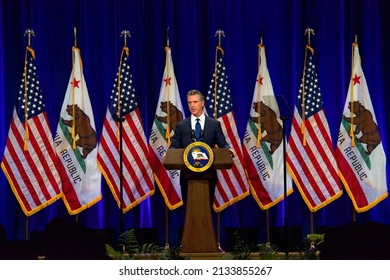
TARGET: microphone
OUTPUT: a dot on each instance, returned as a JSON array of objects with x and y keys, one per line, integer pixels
[{"x": 202, "y": 135}]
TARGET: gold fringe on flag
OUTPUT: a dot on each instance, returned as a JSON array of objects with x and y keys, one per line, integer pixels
[
  {"x": 351, "y": 130},
  {"x": 74, "y": 146},
  {"x": 27, "y": 134},
  {"x": 259, "y": 135},
  {"x": 303, "y": 128},
  {"x": 73, "y": 101}
]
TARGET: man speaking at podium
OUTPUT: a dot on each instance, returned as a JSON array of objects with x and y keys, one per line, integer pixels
[
  {"x": 198, "y": 127},
  {"x": 209, "y": 130}
]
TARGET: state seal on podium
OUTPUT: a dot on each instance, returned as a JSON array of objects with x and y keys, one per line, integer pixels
[{"x": 198, "y": 156}]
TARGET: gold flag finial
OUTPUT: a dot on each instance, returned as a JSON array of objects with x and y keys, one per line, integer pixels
[
  {"x": 29, "y": 33},
  {"x": 308, "y": 32},
  {"x": 351, "y": 129},
  {"x": 168, "y": 91},
  {"x": 259, "y": 84},
  {"x": 125, "y": 33},
  {"x": 219, "y": 33}
]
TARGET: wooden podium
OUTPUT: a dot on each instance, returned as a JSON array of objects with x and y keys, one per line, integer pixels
[{"x": 198, "y": 233}]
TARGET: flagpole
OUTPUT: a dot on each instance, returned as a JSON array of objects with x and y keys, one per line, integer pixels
[
  {"x": 124, "y": 34},
  {"x": 167, "y": 135},
  {"x": 260, "y": 46},
  {"x": 73, "y": 95},
  {"x": 120, "y": 122},
  {"x": 29, "y": 33},
  {"x": 168, "y": 128},
  {"x": 352, "y": 134},
  {"x": 73, "y": 112},
  {"x": 259, "y": 134},
  {"x": 351, "y": 131},
  {"x": 308, "y": 31},
  {"x": 311, "y": 222},
  {"x": 267, "y": 227},
  {"x": 218, "y": 33}
]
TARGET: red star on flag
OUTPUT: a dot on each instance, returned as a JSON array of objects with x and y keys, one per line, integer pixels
[
  {"x": 356, "y": 79},
  {"x": 75, "y": 83},
  {"x": 167, "y": 81},
  {"x": 260, "y": 80}
]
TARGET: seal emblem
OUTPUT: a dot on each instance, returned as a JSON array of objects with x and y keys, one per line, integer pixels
[{"x": 198, "y": 156}]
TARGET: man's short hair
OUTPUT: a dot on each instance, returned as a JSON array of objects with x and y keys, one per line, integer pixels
[{"x": 196, "y": 92}]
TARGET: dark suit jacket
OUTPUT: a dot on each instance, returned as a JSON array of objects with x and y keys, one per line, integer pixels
[{"x": 212, "y": 134}]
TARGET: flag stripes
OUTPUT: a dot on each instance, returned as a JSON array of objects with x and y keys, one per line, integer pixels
[
  {"x": 310, "y": 154},
  {"x": 29, "y": 161},
  {"x": 126, "y": 148},
  {"x": 40, "y": 170},
  {"x": 232, "y": 183},
  {"x": 136, "y": 186},
  {"x": 312, "y": 162}
]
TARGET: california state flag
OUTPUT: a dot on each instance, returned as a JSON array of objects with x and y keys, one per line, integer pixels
[
  {"x": 360, "y": 155},
  {"x": 263, "y": 142},
  {"x": 168, "y": 113},
  {"x": 76, "y": 143}
]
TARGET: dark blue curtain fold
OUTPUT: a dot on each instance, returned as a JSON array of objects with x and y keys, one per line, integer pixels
[{"x": 192, "y": 26}]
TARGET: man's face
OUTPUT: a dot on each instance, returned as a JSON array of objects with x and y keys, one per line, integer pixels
[{"x": 195, "y": 105}]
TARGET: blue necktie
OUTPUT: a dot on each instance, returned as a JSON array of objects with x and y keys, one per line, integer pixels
[{"x": 197, "y": 129}]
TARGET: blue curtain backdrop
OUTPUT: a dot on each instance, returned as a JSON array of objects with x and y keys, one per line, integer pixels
[{"x": 192, "y": 26}]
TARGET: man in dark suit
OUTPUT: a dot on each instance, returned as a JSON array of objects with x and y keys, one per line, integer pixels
[{"x": 210, "y": 133}]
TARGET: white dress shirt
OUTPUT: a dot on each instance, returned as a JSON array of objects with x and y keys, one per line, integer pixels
[{"x": 201, "y": 120}]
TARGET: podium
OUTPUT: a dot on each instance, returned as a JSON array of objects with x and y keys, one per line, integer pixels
[{"x": 198, "y": 233}]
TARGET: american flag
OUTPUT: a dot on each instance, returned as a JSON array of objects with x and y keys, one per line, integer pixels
[
  {"x": 232, "y": 183},
  {"x": 310, "y": 154},
  {"x": 137, "y": 175},
  {"x": 30, "y": 161}
]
